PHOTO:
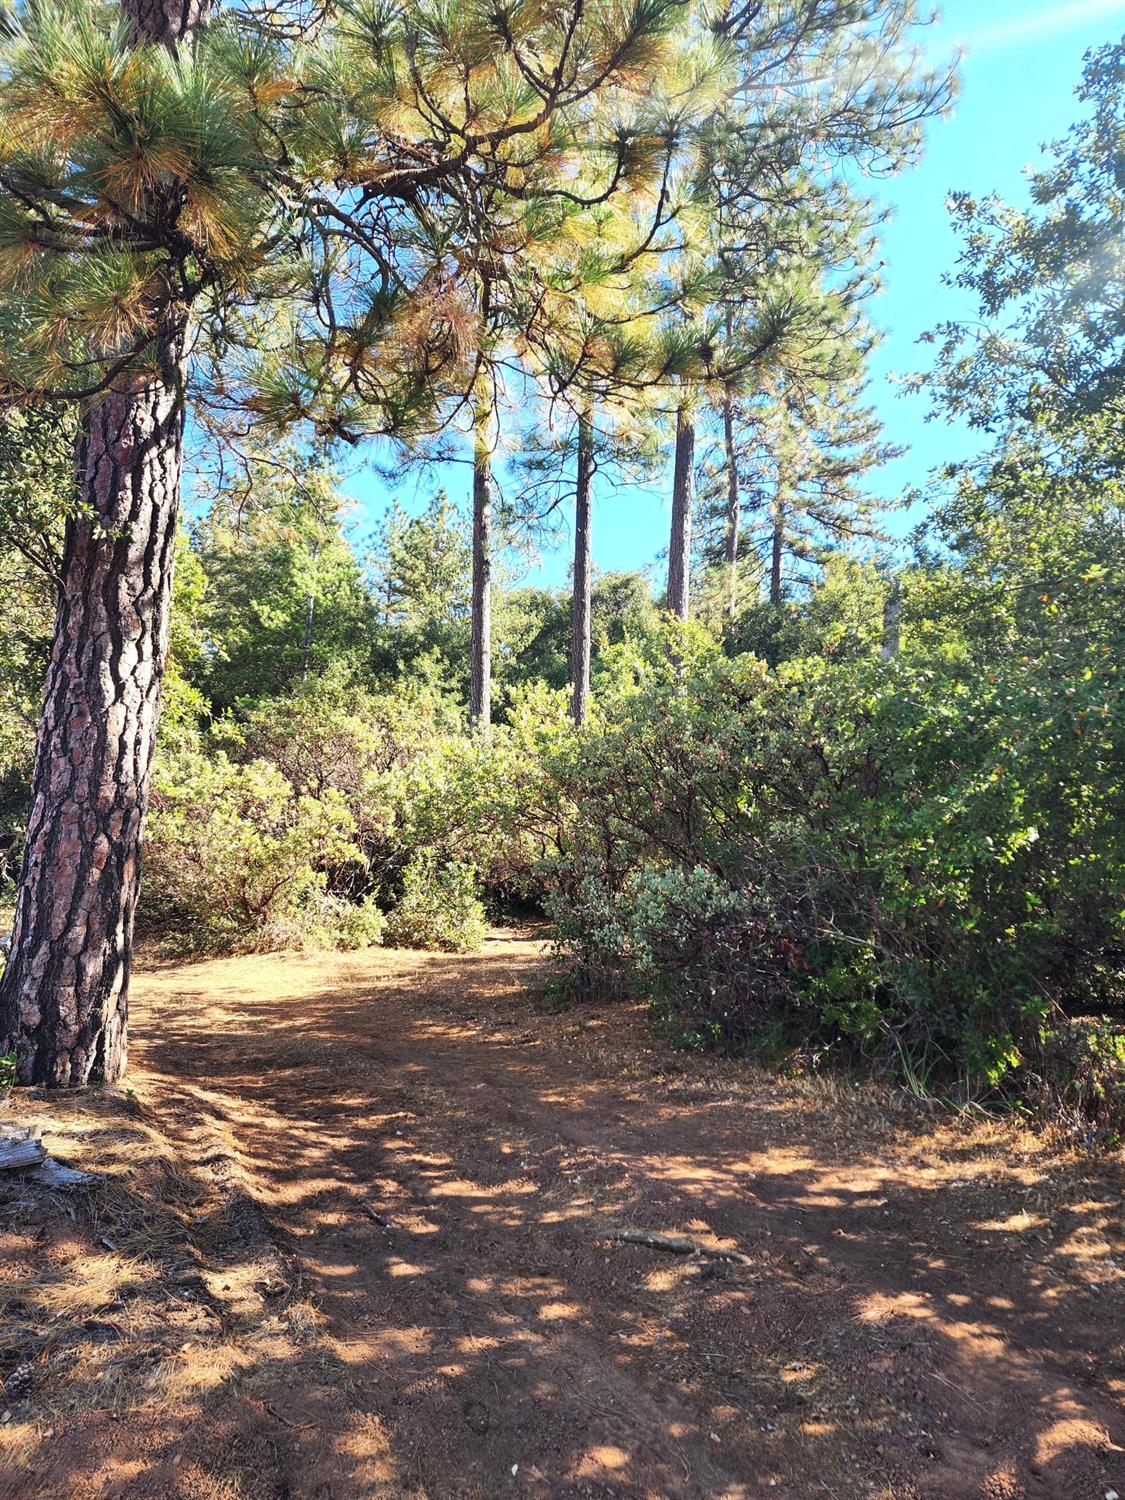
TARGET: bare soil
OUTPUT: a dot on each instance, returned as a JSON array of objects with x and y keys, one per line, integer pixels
[{"x": 350, "y": 1239}]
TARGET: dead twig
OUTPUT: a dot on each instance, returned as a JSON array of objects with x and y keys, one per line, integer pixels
[{"x": 675, "y": 1244}]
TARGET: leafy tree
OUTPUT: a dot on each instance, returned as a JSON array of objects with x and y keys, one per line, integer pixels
[
  {"x": 1049, "y": 347},
  {"x": 283, "y": 599}
]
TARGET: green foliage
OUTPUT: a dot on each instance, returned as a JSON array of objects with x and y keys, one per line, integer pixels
[
  {"x": 236, "y": 860},
  {"x": 419, "y": 570},
  {"x": 1050, "y": 282},
  {"x": 439, "y": 907},
  {"x": 898, "y": 860},
  {"x": 284, "y": 593}
]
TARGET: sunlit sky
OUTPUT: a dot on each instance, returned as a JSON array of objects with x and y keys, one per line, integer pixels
[{"x": 1022, "y": 62}]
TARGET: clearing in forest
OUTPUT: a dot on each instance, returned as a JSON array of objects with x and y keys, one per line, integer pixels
[{"x": 354, "y": 1238}]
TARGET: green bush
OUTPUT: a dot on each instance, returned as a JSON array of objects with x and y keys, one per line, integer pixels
[
  {"x": 440, "y": 907},
  {"x": 918, "y": 864},
  {"x": 236, "y": 860}
]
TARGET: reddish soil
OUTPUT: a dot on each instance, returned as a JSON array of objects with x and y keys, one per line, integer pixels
[{"x": 383, "y": 1271}]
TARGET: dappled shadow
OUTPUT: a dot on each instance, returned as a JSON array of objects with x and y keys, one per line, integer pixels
[{"x": 927, "y": 1308}]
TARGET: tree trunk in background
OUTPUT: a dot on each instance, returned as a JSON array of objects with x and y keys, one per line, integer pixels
[
  {"x": 167, "y": 23},
  {"x": 580, "y": 602},
  {"x": 64, "y": 996},
  {"x": 64, "y": 993},
  {"x": 892, "y": 610},
  {"x": 777, "y": 549},
  {"x": 679, "y": 545},
  {"x": 734, "y": 507},
  {"x": 480, "y": 665}
]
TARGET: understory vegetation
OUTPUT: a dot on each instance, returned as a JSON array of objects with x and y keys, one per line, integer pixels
[
  {"x": 834, "y": 795},
  {"x": 793, "y": 842}
]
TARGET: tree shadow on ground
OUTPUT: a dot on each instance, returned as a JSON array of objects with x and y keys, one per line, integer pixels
[{"x": 929, "y": 1307}]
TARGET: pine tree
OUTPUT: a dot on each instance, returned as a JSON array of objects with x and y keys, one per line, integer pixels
[
  {"x": 280, "y": 227},
  {"x": 802, "y": 456}
]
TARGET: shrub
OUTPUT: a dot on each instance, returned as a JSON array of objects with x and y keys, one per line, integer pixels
[
  {"x": 915, "y": 864},
  {"x": 235, "y": 859},
  {"x": 440, "y": 907}
]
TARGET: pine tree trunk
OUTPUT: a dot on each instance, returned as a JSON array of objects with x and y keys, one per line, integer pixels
[
  {"x": 734, "y": 508},
  {"x": 64, "y": 993},
  {"x": 679, "y": 544},
  {"x": 480, "y": 665},
  {"x": 777, "y": 549},
  {"x": 580, "y": 604}
]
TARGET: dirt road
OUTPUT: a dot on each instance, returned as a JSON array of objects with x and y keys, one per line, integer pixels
[{"x": 397, "y": 1172}]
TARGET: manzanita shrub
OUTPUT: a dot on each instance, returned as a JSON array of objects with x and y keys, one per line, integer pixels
[{"x": 921, "y": 864}]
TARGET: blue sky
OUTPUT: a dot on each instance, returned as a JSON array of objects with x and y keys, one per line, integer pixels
[{"x": 1022, "y": 62}]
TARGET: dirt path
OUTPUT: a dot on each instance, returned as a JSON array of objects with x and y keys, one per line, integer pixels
[{"x": 405, "y": 1290}]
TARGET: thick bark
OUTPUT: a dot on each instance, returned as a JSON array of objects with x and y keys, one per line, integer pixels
[
  {"x": 777, "y": 549},
  {"x": 480, "y": 664},
  {"x": 734, "y": 507},
  {"x": 64, "y": 993},
  {"x": 679, "y": 544},
  {"x": 168, "y": 23},
  {"x": 580, "y": 604}
]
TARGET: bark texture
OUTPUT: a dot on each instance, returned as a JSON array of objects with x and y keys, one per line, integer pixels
[
  {"x": 734, "y": 507},
  {"x": 64, "y": 996},
  {"x": 167, "y": 23},
  {"x": 679, "y": 543},
  {"x": 480, "y": 665},
  {"x": 583, "y": 559},
  {"x": 64, "y": 993}
]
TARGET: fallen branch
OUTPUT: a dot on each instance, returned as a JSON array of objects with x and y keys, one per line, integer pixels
[
  {"x": 26, "y": 1154},
  {"x": 54, "y": 1174},
  {"x": 17, "y": 1156},
  {"x": 675, "y": 1244}
]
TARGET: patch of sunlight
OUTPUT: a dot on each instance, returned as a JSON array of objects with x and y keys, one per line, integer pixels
[
  {"x": 196, "y": 1369},
  {"x": 1065, "y": 1434},
  {"x": 1013, "y": 1224},
  {"x": 552, "y": 1311},
  {"x": 389, "y": 1343},
  {"x": 600, "y": 1459},
  {"x": 19, "y": 1443},
  {"x": 879, "y": 1307},
  {"x": 663, "y": 1281},
  {"x": 398, "y": 1267},
  {"x": 475, "y": 1344}
]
